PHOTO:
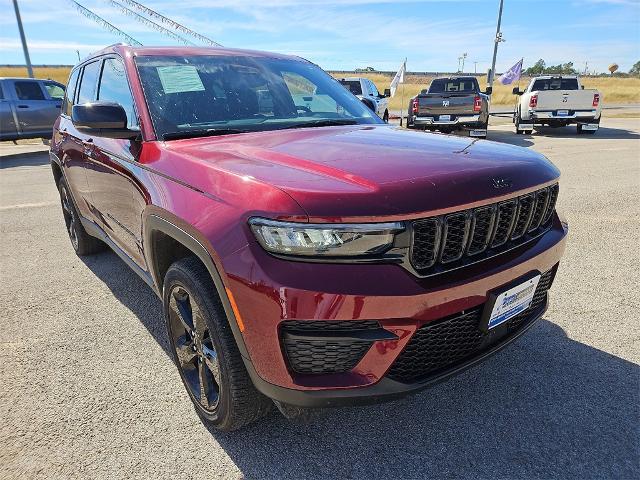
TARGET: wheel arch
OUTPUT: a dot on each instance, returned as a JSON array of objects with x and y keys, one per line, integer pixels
[{"x": 165, "y": 243}]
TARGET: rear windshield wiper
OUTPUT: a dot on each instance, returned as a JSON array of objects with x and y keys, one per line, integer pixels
[
  {"x": 323, "y": 123},
  {"x": 208, "y": 132}
]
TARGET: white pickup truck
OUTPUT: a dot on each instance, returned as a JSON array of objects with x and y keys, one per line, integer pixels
[
  {"x": 366, "y": 91},
  {"x": 557, "y": 101}
]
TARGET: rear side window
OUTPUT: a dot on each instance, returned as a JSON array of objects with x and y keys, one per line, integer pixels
[
  {"x": 353, "y": 86},
  {"x": 28, "y": 90},
  {"x": 71, "y": 89},
  {"x": 87, "y": 90},
  {"x": 114, "y": 87},
  {"x": 55, "y": 90}
]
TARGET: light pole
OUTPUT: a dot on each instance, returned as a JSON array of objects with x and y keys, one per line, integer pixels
[
  {"x": 464, "y": 56},
  {"x": 497, "y": 40},
  {"x": 24, "y": 40}
]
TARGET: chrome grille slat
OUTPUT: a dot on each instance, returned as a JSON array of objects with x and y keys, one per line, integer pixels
[
  {"x": 454, "y": 236},
  {"x": 450, "y": 241},
  {"x": 523, "y": 217},
  {"x": 540, "y": 207},
  {"x": 481, "y": 229}
]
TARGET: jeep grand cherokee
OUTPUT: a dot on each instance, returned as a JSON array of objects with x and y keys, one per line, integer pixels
[{"x": 305, "y": 252}]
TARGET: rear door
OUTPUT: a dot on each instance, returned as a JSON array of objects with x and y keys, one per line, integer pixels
[
  {"x": 35, "y": 110},
  {"x": 7, "y": 122}
]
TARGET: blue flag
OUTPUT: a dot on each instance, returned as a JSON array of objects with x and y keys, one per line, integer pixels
[{"x": 511, "y": 75}]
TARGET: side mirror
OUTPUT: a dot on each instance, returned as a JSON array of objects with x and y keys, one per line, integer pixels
[
  {"x": 582, "y": 87},
  {"x": 387, "y": 92},
  {"x": 102, "y": 119},
  {"x": 369, "y": 103},
  {"x": 488, "y": 91},
  {"x": 516, "y": 91}
]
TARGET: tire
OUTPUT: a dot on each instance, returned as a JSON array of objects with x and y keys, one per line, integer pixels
[
  {"x": 82, "y": 243},
  {"x": 385, "y": 117},
  {"x": 579, "y": 130},
  {"x": 205, "y": 352}
]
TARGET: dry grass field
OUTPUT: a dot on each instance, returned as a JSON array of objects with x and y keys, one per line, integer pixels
[{"x": 614, "y": 90}]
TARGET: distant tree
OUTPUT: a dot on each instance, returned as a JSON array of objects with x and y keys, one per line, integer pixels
[
  {"x": 635, "y": 70},
  {"x": 562, "y": 69},
  {"x": 538, "y": 68}
]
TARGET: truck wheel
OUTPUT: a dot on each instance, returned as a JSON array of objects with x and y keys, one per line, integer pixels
[
  {"x": 82, "y": 242},
  {"x": 385, "y": 117},
  {"x": 205, "y": 350}
]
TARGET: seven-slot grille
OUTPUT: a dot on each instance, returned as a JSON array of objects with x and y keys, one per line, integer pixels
[{"x": 460, "y": 237}]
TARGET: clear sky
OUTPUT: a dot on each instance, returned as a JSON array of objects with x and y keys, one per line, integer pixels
[{"x": 347, "y": 34}]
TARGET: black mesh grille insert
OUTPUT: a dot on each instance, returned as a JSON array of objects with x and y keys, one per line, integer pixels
[
  {"x": 318, "y": 352},
  {"x": 454, "y": 237},
  {"x": 504, "y": 224},
  {"x": 425, "y": 242},
  {"x": 481, "y": 226},
  {"x": 525, "y": 209},
  {"x": 464, "y": 237},
  {"x": 538, "y": 210},
  {"x": 443, "y": 344},
  {"x": 324, "y": 356}
]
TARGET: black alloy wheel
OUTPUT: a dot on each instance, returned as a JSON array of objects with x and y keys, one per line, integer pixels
[{"x": 195, "y": 352}]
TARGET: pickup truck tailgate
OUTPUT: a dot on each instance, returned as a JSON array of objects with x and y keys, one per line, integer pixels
[
  {"x": 443, "y": 104},
  {"x": 565, "y": 100}
]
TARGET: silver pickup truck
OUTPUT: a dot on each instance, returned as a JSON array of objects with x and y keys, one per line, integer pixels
[{"x": 28, "y": 107}]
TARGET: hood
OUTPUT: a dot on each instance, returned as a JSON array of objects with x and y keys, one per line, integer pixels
[{"x": 373, "y": 171}]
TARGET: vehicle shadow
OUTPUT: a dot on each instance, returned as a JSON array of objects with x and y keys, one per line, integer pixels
[
  {"x": 546, "y": 407},
  {"x": 26, "y": 159}
]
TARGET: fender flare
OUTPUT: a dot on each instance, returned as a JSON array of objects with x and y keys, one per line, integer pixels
[{"x": 155, "y": 223}]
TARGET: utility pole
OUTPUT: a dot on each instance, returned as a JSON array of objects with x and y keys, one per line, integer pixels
[
  {"x": 497, "y": 40},
  {"x": 475, "y": 67},
  {"x": 24, "y": 40},
  {"x": 464, "y": 56}
]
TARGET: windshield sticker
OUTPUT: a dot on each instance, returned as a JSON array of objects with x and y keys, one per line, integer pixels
[{"x": 180, "y": 78}]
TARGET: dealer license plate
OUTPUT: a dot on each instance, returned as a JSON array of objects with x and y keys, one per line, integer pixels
[
  {"x": 563, "y": 113},
  {"x": 445, "y": 118},
  {"x": 510, "y": 303}
]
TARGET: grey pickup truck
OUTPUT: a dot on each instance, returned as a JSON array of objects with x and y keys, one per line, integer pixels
[
  {"x": 29, "y": 107},
  {"x": 454, "y": 103}
]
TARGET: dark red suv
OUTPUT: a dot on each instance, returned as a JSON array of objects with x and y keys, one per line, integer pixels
[{"x": 305, "y": 252}]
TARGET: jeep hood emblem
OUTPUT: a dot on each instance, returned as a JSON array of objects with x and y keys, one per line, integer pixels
[{"x": 501, "y": 182}]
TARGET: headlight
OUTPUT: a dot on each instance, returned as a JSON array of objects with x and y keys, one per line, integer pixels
[{"x": 328, "y": 240}]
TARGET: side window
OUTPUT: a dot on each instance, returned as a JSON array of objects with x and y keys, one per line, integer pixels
[
  {"x": 87, "y": 91},
  {"x": 71, "y": 89},
  {"x": 115, "y": 88},
  {"x": 373, "y": 89},
  {"x": 55, "y": 90},
  {"x": 28, "y": 90}
]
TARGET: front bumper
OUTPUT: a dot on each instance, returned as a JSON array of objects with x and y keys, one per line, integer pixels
[{"x": 270, "y": 291}]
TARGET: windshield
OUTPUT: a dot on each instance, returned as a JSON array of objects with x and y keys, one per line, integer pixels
[
  {"x": 202, "y": 95},
  {"x": 454, "y": 85},
  {"x": 555, "y": 84},
  {"x": 353, "y": 86}
]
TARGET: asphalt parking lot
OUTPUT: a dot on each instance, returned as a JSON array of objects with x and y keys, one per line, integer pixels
[{"x": 89, "y": 391}]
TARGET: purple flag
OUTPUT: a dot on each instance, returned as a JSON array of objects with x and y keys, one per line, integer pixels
[{"x": 511, "y": 75}]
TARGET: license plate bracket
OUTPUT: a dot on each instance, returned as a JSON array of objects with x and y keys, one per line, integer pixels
[{"x": 509, "y": 300}]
